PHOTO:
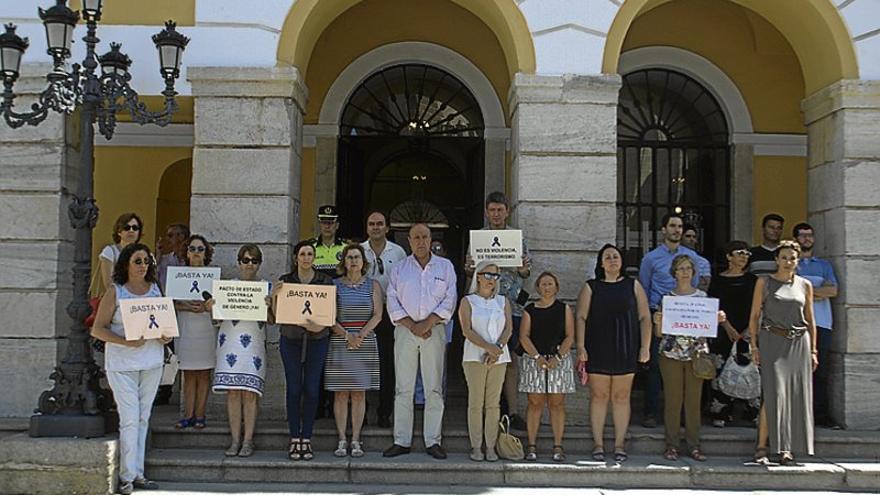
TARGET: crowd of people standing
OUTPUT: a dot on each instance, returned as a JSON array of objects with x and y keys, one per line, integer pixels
[{"x": 391, "y": 331}]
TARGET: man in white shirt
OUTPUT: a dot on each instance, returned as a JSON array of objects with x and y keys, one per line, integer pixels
[
  {"x": 382, "y": 256},
  {"x": 421, "y": 299}
]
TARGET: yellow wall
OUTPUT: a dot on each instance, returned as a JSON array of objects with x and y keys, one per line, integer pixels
[
  {"x": 145, "y": 12},
  {"x": 127, "y": 180},
  {"x": 742, "y": 44},
  {"x": 371, "y": 24},
  {"x": 780, "y": 187}
]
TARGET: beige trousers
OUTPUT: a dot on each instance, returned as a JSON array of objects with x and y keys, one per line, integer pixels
[{"x": 484, "y": 401}]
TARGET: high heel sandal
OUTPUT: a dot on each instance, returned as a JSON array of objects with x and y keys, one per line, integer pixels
[
  {"x": 598, "y": 453},
  {"x": 620, "y": 454},
  {"x": 531, "y": 453},
  {"x": 558, "y": 454},
  {"x": 293, "y": 450},
  {"x": 200, "y": 423},
  {"x": 184, "y": 423},
  {"x": 305, "y": 450}
]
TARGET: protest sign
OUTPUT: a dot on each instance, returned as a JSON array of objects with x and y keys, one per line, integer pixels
[
  {"x": 502, "y": 247},
  {"x": 148, "y": 318},
  {"x": 691, "y": 316},
  {"x": 240, "y": 300},
  {"x": 298, "y": 302},
  {"x": 186, "y": 283}
]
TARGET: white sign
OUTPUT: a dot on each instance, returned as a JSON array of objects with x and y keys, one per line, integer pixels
[
  {"x": 240, "y": 300},
  {"x": 148, "y": 318},
  {"x": 691, "y": 316},
  {"x": 298, "y": 303},
  {"x": 186, "y": 283},
  {"x": 502, "y": 247}
]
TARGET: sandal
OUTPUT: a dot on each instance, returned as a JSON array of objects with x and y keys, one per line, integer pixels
[
  {"x": 293, "y": 451},
  {"x": 233, "y": 449},
  {"x": 558, "y": 454},
  {"x": 761, "y": 456},
  {"x": 305, "y": 449},
  {"x": 620, "y": 454},
  {"x": 200, "y": 423},
  {"x": 671, "y": 454},
  {"x": 697, "y": 454},
  {"x": 357, "y": 450},
  {"x": 247, "y": 449},
  {"x": 787, "y": 459},
  {"x": 599, "y": 453},
  {"x": 184, "y": 423},
  {"x": 531, "y": 453}
]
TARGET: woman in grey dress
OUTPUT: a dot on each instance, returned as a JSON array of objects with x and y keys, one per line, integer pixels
[{"x": 782, "y": 307}]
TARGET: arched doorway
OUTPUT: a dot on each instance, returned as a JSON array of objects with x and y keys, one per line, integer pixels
[
  {"x": 412, "y": 134},
  {"x": 673, "y": 155}
]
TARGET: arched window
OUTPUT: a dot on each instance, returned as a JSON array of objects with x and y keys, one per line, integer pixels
[
  {"x": 673, "y": 155},
  {"x": 412, "y": 100}
]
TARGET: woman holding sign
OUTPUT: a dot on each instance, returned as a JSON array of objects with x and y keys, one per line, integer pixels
[
  {"x": 487, "y": 325},
  {"x": 303, "y": 352},
  {"x": 240, "y": 369},
  {"x": 134, "y": 367},
  {"x": 197, "y": 345},
  {"x": 353, "y": 360},
  {"x": 783, "y": 307},
  {"x": 680, "y": 381}
]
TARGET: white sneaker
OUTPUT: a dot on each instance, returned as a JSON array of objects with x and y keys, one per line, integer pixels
[
  {"x": 718, "y": 423},
  {"x": 341, "y": 449},
  {"x": 357, "y": 449}
]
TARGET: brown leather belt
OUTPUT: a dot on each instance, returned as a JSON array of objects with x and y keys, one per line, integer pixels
[{"x": 788, "y": 333}]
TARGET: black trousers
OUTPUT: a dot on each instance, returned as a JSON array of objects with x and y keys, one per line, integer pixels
[{"x": 385, "y": 340}]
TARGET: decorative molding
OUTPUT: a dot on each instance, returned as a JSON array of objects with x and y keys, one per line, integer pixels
[
  {"x": 736, "y": 111},
  {"x": 774, "y": 144},
  {"x": 149, "y": 136}
]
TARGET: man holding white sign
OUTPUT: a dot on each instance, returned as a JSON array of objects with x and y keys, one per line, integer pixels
[
  {"x": 513, "y": 278},
  {"x": 134, "y": 367}
]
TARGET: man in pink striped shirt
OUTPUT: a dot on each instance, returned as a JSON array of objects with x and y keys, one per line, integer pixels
[{"x": 421, "y": 299}]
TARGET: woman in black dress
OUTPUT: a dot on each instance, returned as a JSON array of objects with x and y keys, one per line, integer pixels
[
  {"x": 613, "y": 330},
  {"x": 734, "y": 288}
]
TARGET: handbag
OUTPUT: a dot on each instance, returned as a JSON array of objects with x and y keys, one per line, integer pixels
[
  {"x": 169, "y": 367},
  {"x": 704, "y": 368},
  {"x": 740, "y": 381},
  {"x": 508, "y": 446}
]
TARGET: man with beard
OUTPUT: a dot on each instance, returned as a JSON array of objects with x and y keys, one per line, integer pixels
[
  {"x": 820, "y": 273},
  {"x": 656, "y": 278}
]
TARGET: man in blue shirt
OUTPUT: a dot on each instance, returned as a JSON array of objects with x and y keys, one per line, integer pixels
[
  {"x": 820, "y": 273},
  {"x": 657, "y": 280}
]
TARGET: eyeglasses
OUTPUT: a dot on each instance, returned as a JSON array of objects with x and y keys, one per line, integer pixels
[
  {"x": 380, "y": 265},
  {"x": 132, "y": 228},
  {"x": 741, "y": 252},
  {"x": 250, "y": 261},
  {"x": 353, "y": 258},
  {"x": 142, "y": 261},
  {"x": 490, "y": 275},
  {"x": 196, "y": 249}
]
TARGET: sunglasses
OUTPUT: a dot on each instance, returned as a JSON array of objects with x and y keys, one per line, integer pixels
[
  {"x": 380, "y": 265},
  {"x": 132, "y": 228},
  {"x": 142, "y": 261},
  {"x": 250, "y": 261},
  {"x": 741, "y": 252},
  {"x": 196, "y": 249},
  {"x": 490, "y": 275}
]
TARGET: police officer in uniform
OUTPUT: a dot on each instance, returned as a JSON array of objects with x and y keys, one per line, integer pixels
[{"x": 328, "y": 247}]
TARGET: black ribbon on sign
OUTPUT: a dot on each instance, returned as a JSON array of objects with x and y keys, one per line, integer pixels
[
  {"x": 496, "y": 242},
  {"x": 153, "y": 323},
  {"x": 195, "y": 287},
  {"x": 307, "y": 308}
]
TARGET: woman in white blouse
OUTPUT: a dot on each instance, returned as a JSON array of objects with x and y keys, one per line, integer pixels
[{"x": 486, "y": 324}]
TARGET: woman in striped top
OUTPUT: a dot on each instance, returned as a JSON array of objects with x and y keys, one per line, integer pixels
[{"x": 353, "y": 360}]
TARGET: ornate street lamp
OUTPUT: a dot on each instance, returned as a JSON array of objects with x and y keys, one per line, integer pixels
[{"x": 75, "y": 406}]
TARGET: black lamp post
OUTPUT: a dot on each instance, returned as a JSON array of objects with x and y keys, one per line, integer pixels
[{"x": 75, "y": 406}]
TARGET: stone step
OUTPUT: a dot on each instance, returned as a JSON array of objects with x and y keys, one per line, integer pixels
[
  {"x": 733, "y": 441},
  {"x": 210, "y": 466}
]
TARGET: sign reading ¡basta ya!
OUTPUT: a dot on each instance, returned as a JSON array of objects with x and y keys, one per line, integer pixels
[
  {"x": 148, "y": 318},
  {"x": 298, "y": 303},
  {"x": 502, "y": 247},
  {"x": 186, "y": 283},
  {"x": 691, "y": 316},
  {"x": 240, "y": 300}
]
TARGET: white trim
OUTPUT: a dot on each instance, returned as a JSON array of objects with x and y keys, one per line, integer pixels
[
  {"x": 149, "y": 136},
  {"x": 774, "y": 144},
  {"x": 412, "y": 52},
  {"x": 739, "y": 120}
]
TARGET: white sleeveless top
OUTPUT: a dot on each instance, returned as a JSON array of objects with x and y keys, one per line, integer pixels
[
  {"x": 123, "y": 358},
  {"x": 487, "y": 321}
]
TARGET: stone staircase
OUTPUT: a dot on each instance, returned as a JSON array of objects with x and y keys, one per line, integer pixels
[{"x": 847, "y": 460}]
